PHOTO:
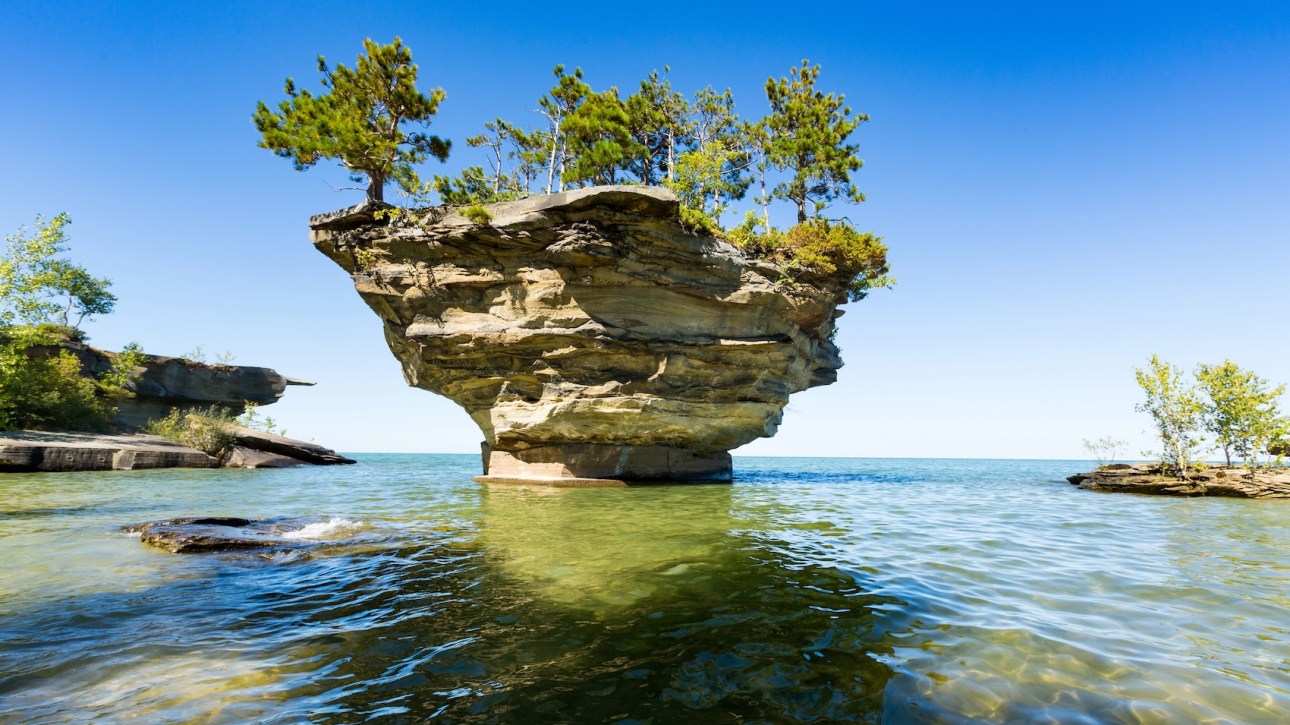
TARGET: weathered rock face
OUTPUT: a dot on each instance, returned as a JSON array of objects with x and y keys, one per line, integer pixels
[
  {"x": 166, "y": 383},
  {"x": 589, "y": 334}
]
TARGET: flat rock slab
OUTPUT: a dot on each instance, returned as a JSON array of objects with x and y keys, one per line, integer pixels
[
  {"x": 1148, "y": 478},
  {"x": 46, "y": 452},
  {"x": 281, "y": 446},
  {"x": 55, "y": 452}
]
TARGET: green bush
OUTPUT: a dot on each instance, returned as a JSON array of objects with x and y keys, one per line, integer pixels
[
  {"x": 818, "y": 248},
  {"x": 697, "y": 221},
  {"x": 210, "y": 430},
  {"x": 42, "y": 386},
  {"x": 477, "y": 214}
]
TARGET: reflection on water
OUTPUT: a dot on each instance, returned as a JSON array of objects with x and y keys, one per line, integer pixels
[{"x": 809, "y": 591}]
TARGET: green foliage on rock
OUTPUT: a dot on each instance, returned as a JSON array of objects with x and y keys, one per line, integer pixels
[
  {"x": 42, "y": 386},
  {"x": 44, "y": 298},
  {"x": 819, "y": 248},
  {"x": 477, "y": 214},
  {"x": 210, "y": 430},
  {"x": 360, "y": 120},
  {"x": 1240, "y": 410}
]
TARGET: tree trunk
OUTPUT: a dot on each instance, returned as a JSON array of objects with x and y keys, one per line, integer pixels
[
  {"x": 671, "y": 154},
  {"x": 765, "y": 200},
  {"x": 550, "y": 169},
  {"x": 801, "y": 210},
  {"x": 376, "y": 188},
  {"x": 559, "y": 180}
]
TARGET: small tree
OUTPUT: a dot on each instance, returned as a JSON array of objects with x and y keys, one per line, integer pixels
[
  {"x": 38, "y": 287},
  {"x": 1176, "y": 411},
  {"x": 599, "y": 140},
  {"x": 558, "y": 104},
  {"x": 359, "y": 121},
  {"x": 1239, "y": 410},
  {"x": 808, "y": 137},
  {"x": 1104, "y": 449}
]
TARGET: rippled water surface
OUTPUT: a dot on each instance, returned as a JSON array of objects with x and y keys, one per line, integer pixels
[{"x": 811, "y": 590}]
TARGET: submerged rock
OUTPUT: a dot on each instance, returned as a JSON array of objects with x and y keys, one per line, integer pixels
[
  {"x": 1230, "y": 481},
  {"x": 189, "y": 535},
  {"x": 588, "y": 333},
  {"x": 219, "y": 533}
]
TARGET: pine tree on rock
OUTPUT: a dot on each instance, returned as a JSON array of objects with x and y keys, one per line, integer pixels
[
  {"x": 359, "y": 121},
  {"x": 808, "y": 137},
  {"x": 599, "y": 140}
]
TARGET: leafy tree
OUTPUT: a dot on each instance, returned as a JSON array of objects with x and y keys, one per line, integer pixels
[
  {"x": 556, "y": 106},
  {"x": 808, "y": 137},
  {"x": 42, "y": 386},
  {"x": 38, "y": 286},
  {"x": 1240, "y": 409},
  {"x": 599, "y": 139},
  {"x": 44, "y": 298},
  {"x": 360, "y": 120},
  {"x": 719, "y": 143},
  {"x": 1176, "y": 411}
]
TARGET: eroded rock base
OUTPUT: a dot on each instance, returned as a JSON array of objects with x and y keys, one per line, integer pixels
[{"x": 587, "y": 464}]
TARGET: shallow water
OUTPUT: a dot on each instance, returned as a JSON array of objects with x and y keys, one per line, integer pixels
[{"x": 811, "y": 590}]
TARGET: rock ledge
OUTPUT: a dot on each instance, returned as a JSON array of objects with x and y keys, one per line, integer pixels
[{"x": 1148, "y": 478}]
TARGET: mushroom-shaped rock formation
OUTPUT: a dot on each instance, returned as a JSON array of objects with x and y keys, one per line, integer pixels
[{"x": 589, "y": 334}]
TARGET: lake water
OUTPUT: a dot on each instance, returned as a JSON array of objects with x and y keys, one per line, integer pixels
[{"x": 811, "y": 590}]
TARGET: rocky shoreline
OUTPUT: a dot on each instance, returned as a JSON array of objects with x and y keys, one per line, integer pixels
[
  {"x": 1149, "y": 478},
  {"x": 54, "y": 452}
]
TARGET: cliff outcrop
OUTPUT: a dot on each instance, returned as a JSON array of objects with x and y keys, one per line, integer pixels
[
  {"x": 163, "y": 384},
  {"x": 589, "y": 334}
]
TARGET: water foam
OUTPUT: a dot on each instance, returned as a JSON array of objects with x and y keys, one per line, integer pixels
[{"x": 324, "y": 529}]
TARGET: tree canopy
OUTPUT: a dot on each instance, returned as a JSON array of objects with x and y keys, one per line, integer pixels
[
  {"x": 1237, "y": 408},
  {"x": 808, "y": 137},
  {"x": 44, "y": 299},
  {"x": 38, "y": 286},
  {"x": 360, "y": 120},
  {"x": 698, "y": 146}
]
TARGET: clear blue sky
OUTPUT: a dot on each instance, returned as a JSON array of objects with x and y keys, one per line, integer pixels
[{"x": 1065, "y": 191}]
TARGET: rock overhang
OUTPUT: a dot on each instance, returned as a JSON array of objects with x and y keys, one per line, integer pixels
[{"x": 589, "y": 318}]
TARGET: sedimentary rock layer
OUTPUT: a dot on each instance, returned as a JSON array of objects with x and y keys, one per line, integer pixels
[
  {"x": 589, "y": 318},
  {"x": 164, "y": 384}
]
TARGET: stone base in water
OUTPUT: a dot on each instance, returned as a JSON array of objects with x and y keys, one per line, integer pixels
[{"x": 588, "y": 464}]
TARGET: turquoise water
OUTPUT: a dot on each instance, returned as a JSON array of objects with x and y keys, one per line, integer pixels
[{"x": 811, "y": 590}]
